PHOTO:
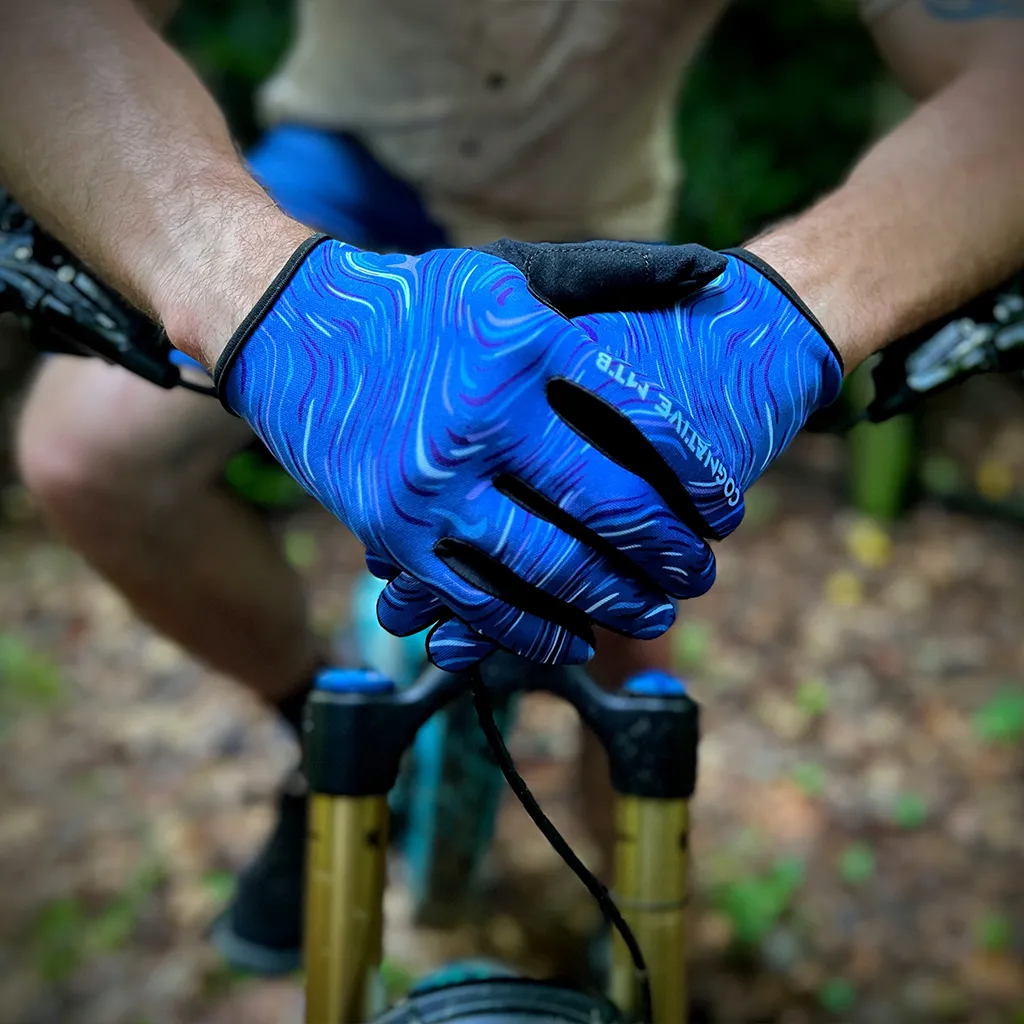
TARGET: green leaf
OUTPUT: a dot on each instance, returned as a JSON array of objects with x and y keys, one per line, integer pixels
[
  {"x": 114, "y": 926},
  {"x": 810, "y": 778},
  {"x": 1001, "y": 720},
  {"x": 26, "y": 677},
  {"x": 812, "y": 697},
  {"x": 300, "y": 548},
  {"x": 220, "y": 885},
  {"x": 396, "y": 978},
  {"x": 837, "y": 995},
  {"x": 909, "y": 811},
  {"x": 857, "y": 864},
  {"x": 261, "y": 482},
  {"x": 56, "y": 938},
  {"x": 754, "y": 904},
  {"x": 789, "y": 873},
  {"x": 751, "y": 134},
  {"x": 761, "y": 503},
  {"x": 995, "y": 933},
  {"x": 940, "y": 474},
  {"x": 691, "y": 643}
]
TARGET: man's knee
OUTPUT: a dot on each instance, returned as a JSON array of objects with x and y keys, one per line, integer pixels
[
  {"x": 70, "y": 470},
  {"x": 96, "y": 446}
]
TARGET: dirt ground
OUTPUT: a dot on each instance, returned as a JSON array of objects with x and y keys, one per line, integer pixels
[{"x": 858, "y": 835}]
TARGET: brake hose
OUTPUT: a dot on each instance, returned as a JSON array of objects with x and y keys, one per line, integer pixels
[{"x": 611, "y": 912}]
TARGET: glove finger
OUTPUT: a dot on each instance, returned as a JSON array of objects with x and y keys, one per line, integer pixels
[
  {"x": 588, "y": 277},
  {"x": 614, "y": 512},
  {"x": 411, "y": 607},
  {"x": 532, "y": 563},
  {"x": 405, "y": 606},
  {"x": 381, "y": 567},
  {"x": 524, "y": 633},
  {"x": 454, "y": 647},
  {"x": 646, "y": 429}
]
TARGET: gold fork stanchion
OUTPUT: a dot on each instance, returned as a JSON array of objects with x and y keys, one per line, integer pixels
[
  {"x": 650, "y": 890},
  {"x": 346, "y": 856}
]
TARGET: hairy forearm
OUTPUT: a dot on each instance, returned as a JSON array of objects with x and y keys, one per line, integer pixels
[
  {"x": 930, "y": 217},
  {"x": 113, "y": 143}
]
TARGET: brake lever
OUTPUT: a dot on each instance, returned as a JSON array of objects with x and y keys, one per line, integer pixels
[
  {"x": 985, "y": 336},
  {"x": 67, "y": 310}
]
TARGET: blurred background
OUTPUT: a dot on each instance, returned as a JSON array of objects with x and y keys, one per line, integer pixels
[{"x": 860, "y": 662}]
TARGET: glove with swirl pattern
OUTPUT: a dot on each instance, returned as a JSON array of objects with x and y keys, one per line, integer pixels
[
  {"x": 738, "y": 367},
  {"x": 472, "y": 438}
]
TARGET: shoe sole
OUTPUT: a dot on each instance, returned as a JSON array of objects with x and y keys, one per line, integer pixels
[{"x": 245, "y": 955}]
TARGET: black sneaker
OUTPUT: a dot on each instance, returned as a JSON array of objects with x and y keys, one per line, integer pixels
[{"x": 261, "y": 929}]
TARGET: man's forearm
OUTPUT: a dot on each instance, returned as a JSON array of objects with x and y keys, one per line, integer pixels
[
  {"x": 930, "y": 217},
  {"x": 113, "y": 143}
]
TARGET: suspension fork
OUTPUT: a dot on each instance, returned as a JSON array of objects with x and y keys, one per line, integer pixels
[{"x": 356, "y": 729}]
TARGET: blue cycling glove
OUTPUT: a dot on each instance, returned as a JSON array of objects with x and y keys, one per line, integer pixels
[
  {"x": 739, "y": 364},
  {"x": 471, "y": 437}
]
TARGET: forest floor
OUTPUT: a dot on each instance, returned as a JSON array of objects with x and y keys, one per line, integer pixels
[{"x": 857, "y": 834}]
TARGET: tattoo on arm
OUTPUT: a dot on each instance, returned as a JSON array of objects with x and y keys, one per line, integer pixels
[{"x": 967, "y": 10}]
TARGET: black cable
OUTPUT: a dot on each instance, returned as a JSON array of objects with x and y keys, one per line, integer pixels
[{"x": 612, "y": 914}]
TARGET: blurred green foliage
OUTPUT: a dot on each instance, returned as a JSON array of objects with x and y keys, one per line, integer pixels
[
  {"x": 691, "y": 644},
  {"x": 882, "y": 455},
  {"x": 1001, "y": 719},
  {"x": 810, "y": 777},
  {"x": 234, "y": 45},
  {"x": 756, "y": 901},
  {"x": 300, "y": 548},
  {"x": 909, "y": 811},
  {"x": 995, "y": 933},
  {"x": 28, "y": 679},
  {"x": 857, "y": 864},
  {"x": 220, "y": 886},
  {"x": 396, "y": 978},
  {"x": 255, "y": 476},
  {"x": 777, "y": 106},
  {"x": 813, "y": 697},
  {"x": 837, "y": 996},
  {"x": 64, "y": 934},
  {"x": 56, "y": 939}
]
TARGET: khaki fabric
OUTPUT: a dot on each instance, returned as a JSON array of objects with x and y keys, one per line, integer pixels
[{"x": 538, "y": 119}]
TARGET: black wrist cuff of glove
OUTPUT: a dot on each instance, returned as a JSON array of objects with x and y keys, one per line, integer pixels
[
  {"x": 256, "y": 314},
  {"x": 765, "y": 270},
  {"x": 576, "y": 278}
]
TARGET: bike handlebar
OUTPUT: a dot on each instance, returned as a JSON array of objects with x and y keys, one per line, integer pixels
[{"x": 67, "y": 309}]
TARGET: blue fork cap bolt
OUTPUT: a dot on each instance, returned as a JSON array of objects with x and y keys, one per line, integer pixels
[
  {"x": 655, "y": 684},
  {"x": 353, "y": 680}
]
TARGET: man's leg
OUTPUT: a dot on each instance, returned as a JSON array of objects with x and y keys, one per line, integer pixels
[{"x": 130, "y": 475}]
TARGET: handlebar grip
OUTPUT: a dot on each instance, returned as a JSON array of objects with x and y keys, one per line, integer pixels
[{"x": 69, "y": 310}]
